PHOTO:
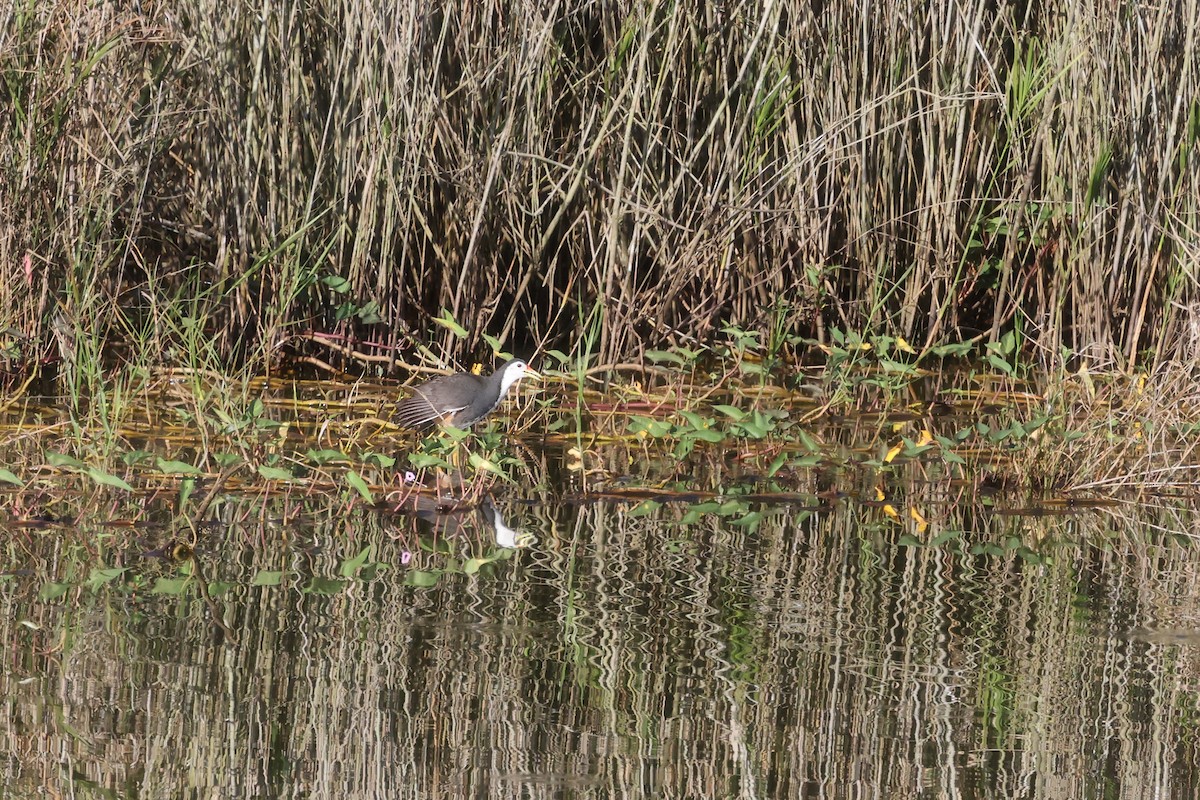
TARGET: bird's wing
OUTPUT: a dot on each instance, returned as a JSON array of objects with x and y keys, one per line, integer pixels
[{"x": 419, "y": 410}]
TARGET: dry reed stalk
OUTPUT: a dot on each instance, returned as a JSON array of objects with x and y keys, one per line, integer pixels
[{"x": 901, "y": 168}]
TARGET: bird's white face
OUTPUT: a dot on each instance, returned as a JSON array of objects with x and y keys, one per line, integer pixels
[{"x": 513, "y": 373}]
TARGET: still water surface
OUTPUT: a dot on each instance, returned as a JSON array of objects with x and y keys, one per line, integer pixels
[{"x": 627, "y": 651}]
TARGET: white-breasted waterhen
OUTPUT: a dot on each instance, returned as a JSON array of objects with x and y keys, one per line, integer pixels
[{"x": 460, "y": 400}]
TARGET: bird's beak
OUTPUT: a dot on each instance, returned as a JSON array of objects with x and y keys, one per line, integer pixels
[{"x": 530, "y": 372}]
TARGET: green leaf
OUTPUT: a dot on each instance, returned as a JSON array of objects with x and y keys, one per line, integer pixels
[
  {"x": 178, "y": 467},
  {"x": 954, "y": 350},
  {"x": 645, "y": 508},
  {"x": 8, "y": 477},
  {"x": 479, "y": 462},
  {"x": 52, "y": 590},
  {"x": 472, "y": 565},
  {"x": 325, "y": 456},
  {"x": 276, "y": 473},
  {"x": 1000, "y": 364},
  {"x": 427, "y": 460},
  {"x": 659, "y": 356},
  {"x": 654, "y": 427},
  {"x": 324, "y": 586},
  {"x": 908, "y": 540},
  {"x": 106, "y": 479},
  {"x": 777, "y": 464},
  {"x": 944, "y": 537},
  {"x": 384, "y": 461},
  {"x": 186, "y": 487},
  {"x": 422, "y": 578},
  {"x": 497, "y": 346},
  {"x": 707, "y": 435},
  {"x": 63, "y": 460},
  {"x": 359, "y": 485},
  {"x": 807, "y": 442},
  {"x": 352, "y": 565},
  {"x": 336, "y": 283},
  {"x": 748, "y": 519},
  {"x": 99, "y": 577},
  {"x": 265, "y": 577},
  {"x": 736, "y": 414},
  {"x": 172, "y": 586},
  {"x": 558, "y": 355},
  {"x": 447, "y": 321}
]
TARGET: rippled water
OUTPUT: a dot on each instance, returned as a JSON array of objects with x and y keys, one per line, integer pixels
[{"x": 627, "y": 651}]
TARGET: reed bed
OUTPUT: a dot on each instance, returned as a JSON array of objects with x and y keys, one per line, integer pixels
[{"x": 207, "y": 185}]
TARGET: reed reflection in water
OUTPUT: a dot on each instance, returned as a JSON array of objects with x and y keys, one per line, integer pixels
[{"x": 625, "y": 654}]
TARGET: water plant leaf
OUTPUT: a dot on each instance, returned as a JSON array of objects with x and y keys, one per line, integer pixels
[
  {"x": 275, "y": 473},
  {"x": 645, "y": 508},
  {"x": 558, "y": 355},
  {"x": 736, "y": 414},
  {"x": 52, "y": 590},
  {"x": 324, "y": 586},
  {"x": 325, "y": 456},
  {"x": 63, "y": 460},
  {"x": 807, "y": 442},
  {"x": 107, "y": 479},
  {"x": 479, "y": 462},
  {"x": 447, "y": 321},
  {"x": 943, "y": 537},
  {"x": 1001, "y": 364},
  {"x": 650, "y": 426},
  {"x": 497, "y": 346},
  {"x": 359, "y": 485},
  {"x": 757, "y": 425},
  {"x": 472, "y": 565},
  {"x": 699, "y": 510},
  {"x": 336, "y": 283},
  {"x": 952, "y": 457},
  {"x": 427, "y": 460},
  {"x": 748, "y": 519},
  {"x": 99, "y": 577},
  {"x": 178, "y": 467},
  {"x": 350, "y": 566},
  {"x": 8, "y": 477},
  {"x": 956, "y": 350},
  {"x": 266, "y": 577},
  {"x": 172, "y": 586},
  {"x": 419, "y": 577},
  {"x": 895, "y": 451},
  {"x": 659, "y": 356},
  {"x": 777, "y": 464},
  {"x": 186, "y": 487},
  {"x": 379, "y": 459}
]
